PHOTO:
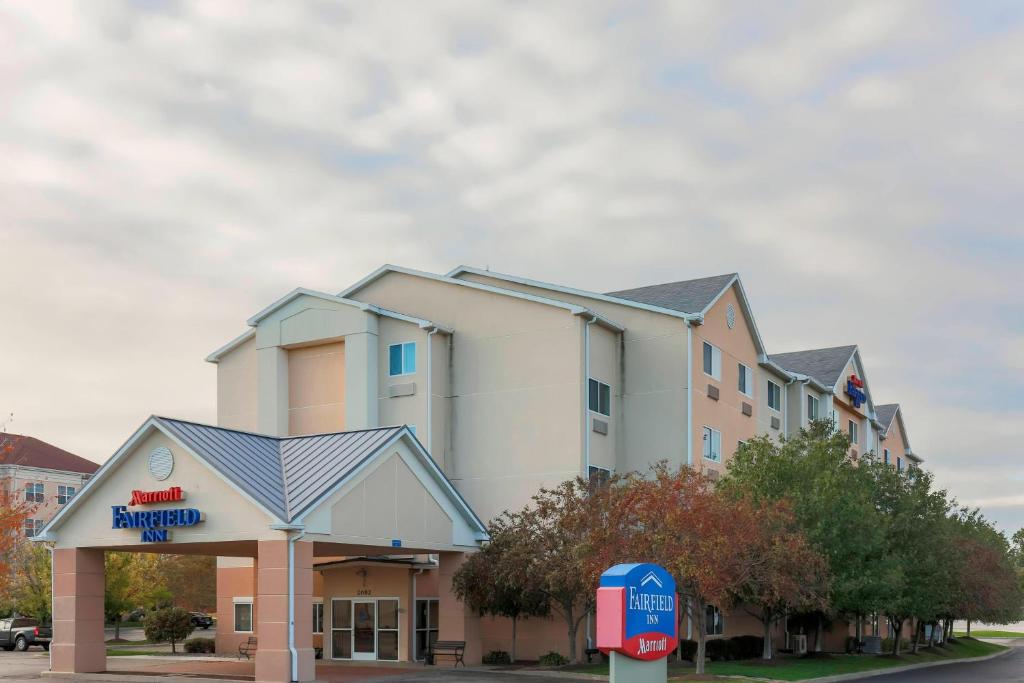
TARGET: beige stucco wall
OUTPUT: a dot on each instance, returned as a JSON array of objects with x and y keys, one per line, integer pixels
[
  {"x": 316, "y": 389},
  {"x": 237, "y": 401},
  {"x": 763, "y": 413},
  {"x": 408, "y": 409},
  {"x": 516, "y": 387},
  {"x": 229, "y": 516},
  {"x": 605, "y": 366},
  {"x": 724, "y": 414}
]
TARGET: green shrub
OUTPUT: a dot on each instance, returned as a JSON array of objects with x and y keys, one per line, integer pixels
[
  {"x": 170, "y": 624},
  {"x": 746, "y": 647},
  {"x": 688, "y": 649},
  {"x": 497, "y": 657},
  {"x": 553, "y": 659},
  {"x": 200, "y": 645},
  {"x": 719, "y": 650}
]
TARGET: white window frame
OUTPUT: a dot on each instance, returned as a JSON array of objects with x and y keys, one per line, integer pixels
[
  {"x": 885, "y": 456},
  {"x": 709, "y": 434},
  {"x": 38, "y": 494},
  {"x": 235, "y": 602},
  {"x": 853, "y": 431},
  {"x": 405, "y": 371},
  {"x": 418, "y": 631},
  {"x": 817, "y": 408},
  {"x": 600, "y": 385},
  {"x": 62, "y": 492},
  {"x": 778, "y": 388},
  {"x": 747, "y": 375},
  {"x": 318, "y": 602},
  {"x": 716, "y": 361}
]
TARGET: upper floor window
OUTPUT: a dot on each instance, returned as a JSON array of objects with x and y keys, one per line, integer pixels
[
  {"x": 64, "y": 493},
  {"x": 712, "y": 361},
  {"x": 774, "y": 396},
  {"x": 712, "y": 444},
  {"x": 746, "y": 380},
  {"x": 812, "y": 408},
  {"x": 402, "y": 359},
  {"x": 600, "y": 397},
  {"x": 853, "y": 432},
  {"x": 714, "y": 621},
  {"x": 899, "y": 464},
  {"x": 33, "y": 527},
  {"x": 885, "y": 455},
  {"x": 33, "y": 493}
]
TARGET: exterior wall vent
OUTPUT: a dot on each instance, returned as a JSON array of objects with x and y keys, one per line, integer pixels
[
  {"x": 747, "y": 409},
  {"x": 713, "y": 392},
  {"x": 406, "y": 389},
  {"x": 600, "y": 426}
]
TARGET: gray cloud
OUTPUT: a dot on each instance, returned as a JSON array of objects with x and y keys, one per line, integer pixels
[{"x": 170, "y": 167}]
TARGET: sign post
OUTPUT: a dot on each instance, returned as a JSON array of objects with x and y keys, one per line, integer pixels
[{"x": 637, "y": 617}]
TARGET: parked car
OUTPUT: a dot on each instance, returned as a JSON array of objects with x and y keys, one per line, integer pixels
[
  {"x": 136, "y": 615},
  {"x": 201, "y": 620},
  {"x": 21, "y": 633}
]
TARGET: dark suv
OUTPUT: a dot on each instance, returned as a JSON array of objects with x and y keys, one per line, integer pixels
[
  {"x": 21, "y": 633},
  {"x": 201, "y": 620}
]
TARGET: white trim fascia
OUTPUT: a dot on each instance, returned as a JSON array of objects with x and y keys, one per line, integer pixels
[
  {"x": 215, "y": 356},
  {"x": 417, "y": 448},
  {"x": 109, "y": 465},
  {"x": 576, "y": 292},
  {"x": 361, "y": 305},
  {"x": 572, "y": 308},
  {"x": 768, "y": 364}
]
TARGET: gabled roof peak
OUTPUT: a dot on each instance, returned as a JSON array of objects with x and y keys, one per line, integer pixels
[
  {"x": 825, "y": 365},
  {"x": 686, "y": 296}
]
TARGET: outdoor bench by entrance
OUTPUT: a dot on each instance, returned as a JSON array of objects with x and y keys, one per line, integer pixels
[
  {"x": 247, "y": 648},
  {"x": 447, "y": 648}
]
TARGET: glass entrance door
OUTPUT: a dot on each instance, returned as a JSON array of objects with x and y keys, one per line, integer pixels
[{"x": 364, "y": 629}]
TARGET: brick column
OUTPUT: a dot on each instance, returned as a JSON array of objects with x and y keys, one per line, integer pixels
[
  {"x": 457, "y": 621},
  {"x": 78, "y": 582},
  {"x": 273, "y": 659}
]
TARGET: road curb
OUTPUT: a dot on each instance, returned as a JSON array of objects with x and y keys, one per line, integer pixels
[{"x": 900, "y": 669}]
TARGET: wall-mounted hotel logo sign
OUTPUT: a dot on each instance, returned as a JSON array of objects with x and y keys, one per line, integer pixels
[
  {"x": 637, "y": 611},
  {"x": 855, "y": 390},
  {"x": 155, "y": 525}
]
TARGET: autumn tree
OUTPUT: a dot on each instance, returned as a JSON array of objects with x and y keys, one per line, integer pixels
[
  {"x": 29, "y": 590},
  {"x": 13, "y": 513},
  {"x": 489, "y": 582},
  {"x": 118, "y": 589},
  {"x": 169, "y": 624}
]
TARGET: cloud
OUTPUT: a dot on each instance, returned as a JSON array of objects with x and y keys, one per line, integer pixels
[{"x": 170, "y": 167}]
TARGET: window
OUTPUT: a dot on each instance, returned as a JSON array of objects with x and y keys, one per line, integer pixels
[
  {"x": 33, "y": 527},
  {"x": 599, "y": 475},
  {"x": 712, "y": 361},
  {"x": 33, "y": 493},
  {"x": 714, "y": 622},
  {"x": 402, "y": 359},
  {"x": 812, "y": 408},
  {"x": 318, "y": 617},
  {"x": 64, "y": 494},
  {"x": 774, "y": 396},
  {"x": 600, "y": 400},
  {"x": 712, "y": 444},
  {"x": 874, "y": 625},
  {"x": 853, "y": 432},
  {"x": 426, "y": 626},
  {"x": 746, "y": 380},
  {"x": 387, "y": 630},
  {"x": 899, "y": 464},
  {"x": 885, "y": 455},
  {"x": 243, "y": 615}
]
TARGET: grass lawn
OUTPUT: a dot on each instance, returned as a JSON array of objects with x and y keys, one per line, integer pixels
[
  {"x": 798, "y": 669},
  {"x": 981, "y": 633}
]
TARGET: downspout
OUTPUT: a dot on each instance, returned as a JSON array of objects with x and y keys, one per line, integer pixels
[
  {"x": 291, "y": 604},
  {"x": 785, "y": 414},
  {"x": 689, "y": 394},
  {"x": 430, "y": 394}
]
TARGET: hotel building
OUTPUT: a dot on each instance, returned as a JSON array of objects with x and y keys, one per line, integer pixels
[{"x": 336, "y": 528}]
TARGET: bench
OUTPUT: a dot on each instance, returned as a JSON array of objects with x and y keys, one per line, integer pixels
[
  {"x": 247, "y": 648},
  {"x": 447, "y": 648}
]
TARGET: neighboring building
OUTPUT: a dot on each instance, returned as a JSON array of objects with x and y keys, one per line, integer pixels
[
  {"x": 42, "y": 475},
  {"x": 512, "y": 384}
]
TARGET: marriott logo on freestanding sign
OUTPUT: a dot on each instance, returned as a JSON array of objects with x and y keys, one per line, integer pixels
[
  {"x": 155, "y": 524},
  {"x": 637, "y": 611}
]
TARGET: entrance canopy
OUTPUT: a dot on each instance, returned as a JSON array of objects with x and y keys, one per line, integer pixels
[{"x": 180, "y": 487}]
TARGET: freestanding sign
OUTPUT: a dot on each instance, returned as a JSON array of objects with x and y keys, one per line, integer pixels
[{"x": 637, "y": 618}]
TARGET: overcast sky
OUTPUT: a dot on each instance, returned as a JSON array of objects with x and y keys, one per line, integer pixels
[{"x": 169, "y": 168}]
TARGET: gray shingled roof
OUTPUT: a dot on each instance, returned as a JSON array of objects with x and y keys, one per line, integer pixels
[
  {"x": 885, "y": 413},
  {"x": 687, "y": 296},
  {"x": 824, "y": 365},
  {"x": 285, "y": 474}
]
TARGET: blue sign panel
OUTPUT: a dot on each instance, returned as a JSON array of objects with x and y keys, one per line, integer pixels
[
  {"x": 154, "y": 524},
  {"x": 638, "y": 611}
]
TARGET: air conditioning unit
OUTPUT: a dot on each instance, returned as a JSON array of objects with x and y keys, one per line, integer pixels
[{"x": 799, "y": 643}]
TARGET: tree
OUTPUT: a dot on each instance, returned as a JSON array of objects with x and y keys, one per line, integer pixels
[
  {"x": 117, "y": 594},
  {"x": 790, "y": 577},
  {"x": 13, "y": 513},
  {"x": 170, "y": 624},
  {"x": 191, "y": 580},
  {"x": 489, "y": 583},
  {"x": 678, "y": 519},
  {"x": 29, "y": 591}
]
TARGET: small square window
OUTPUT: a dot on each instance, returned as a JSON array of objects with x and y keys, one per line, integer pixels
[
  {"x": 402, "y": 359},
  {"x": 34, "y": 493},
  {"x": 243, "y": 617},
  {"x": 64, "y": 494},
  {"x": 599, "y": 475},
  {"x": 599, "y": 397},
  {"x": 774, "y": 396}
]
